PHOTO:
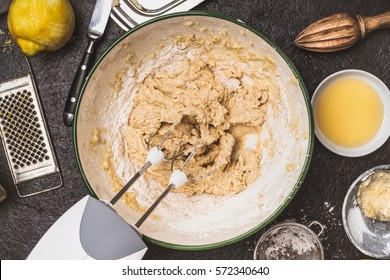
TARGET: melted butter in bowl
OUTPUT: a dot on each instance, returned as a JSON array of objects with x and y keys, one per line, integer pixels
[{"x": 351, "y": 110}]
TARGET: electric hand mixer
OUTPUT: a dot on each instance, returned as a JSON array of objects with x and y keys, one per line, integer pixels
[{"x": 91, "y": 229}]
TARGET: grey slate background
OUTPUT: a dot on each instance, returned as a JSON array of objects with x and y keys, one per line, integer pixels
[{"x": 24, "y": 221}]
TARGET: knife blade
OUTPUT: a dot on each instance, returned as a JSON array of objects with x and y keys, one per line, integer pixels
[
  {"x": 99, "y": 18},
  {"x": 95, "y": 32}
]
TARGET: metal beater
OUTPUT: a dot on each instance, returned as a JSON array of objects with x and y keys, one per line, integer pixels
[{"x": 178, "y": 178}]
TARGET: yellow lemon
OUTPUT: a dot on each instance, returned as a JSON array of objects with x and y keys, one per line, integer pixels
[{"x": 41, "y": 25}]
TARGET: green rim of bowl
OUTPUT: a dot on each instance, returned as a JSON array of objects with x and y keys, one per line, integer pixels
[{"x": 308, "y": 107}]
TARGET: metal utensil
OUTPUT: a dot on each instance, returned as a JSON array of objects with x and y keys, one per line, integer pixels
[
  {"x": 130, "y": 13},
  {"x": 290, "y": 241},
  {"x": 25, "y": 135},
  {"x": 177, "y": 179},
  {"x": 154, "y": 156},
  {"x": 95, "y": 32},
  {"x": 151, "y": 12}
]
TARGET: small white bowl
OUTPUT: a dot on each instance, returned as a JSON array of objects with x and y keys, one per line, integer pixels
[{"x": 383, "y": 133}]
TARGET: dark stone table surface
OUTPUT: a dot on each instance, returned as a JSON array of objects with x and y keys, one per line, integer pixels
[{"x": 23, "y": 221}]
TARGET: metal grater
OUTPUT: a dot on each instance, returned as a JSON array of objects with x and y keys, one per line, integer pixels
[{"x": 26, "y": 140}]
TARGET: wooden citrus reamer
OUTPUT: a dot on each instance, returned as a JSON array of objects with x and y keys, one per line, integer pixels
[{"x": 339, "y": 31}]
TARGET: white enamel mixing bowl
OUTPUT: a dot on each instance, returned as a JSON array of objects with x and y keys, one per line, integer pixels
[{"x": 203, "y": 221}]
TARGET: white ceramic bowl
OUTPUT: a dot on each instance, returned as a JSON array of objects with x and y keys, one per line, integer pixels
[
  {"x": 201, "y": 221},
  {"x": 384, "y": 131}
]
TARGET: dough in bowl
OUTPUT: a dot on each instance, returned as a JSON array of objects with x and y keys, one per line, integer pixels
[
  {"x": 213, "y": 95},
  {"x": 221, "y": 87}
]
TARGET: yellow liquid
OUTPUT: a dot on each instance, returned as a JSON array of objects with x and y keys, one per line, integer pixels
[{"x": 349, "y": 112}]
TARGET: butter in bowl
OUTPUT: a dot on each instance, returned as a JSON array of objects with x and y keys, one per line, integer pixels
[{"x": 366, "y": 212}]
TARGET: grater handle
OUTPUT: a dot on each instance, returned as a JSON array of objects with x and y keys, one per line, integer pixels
[
  {"x": 61, "y": 183},
  {"x": 78, "y": 82}
]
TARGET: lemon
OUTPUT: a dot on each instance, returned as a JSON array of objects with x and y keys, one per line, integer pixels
[{"x": 41, "y": 25}]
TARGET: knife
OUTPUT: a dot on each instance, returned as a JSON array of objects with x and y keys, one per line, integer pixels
[{"x": 95, "y": 32}]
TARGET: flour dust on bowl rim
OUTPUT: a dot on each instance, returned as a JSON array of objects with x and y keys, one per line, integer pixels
[{"x": 201, "y": 221}]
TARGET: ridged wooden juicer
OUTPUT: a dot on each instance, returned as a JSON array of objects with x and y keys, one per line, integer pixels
[{"x": 339, "y": 31}]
